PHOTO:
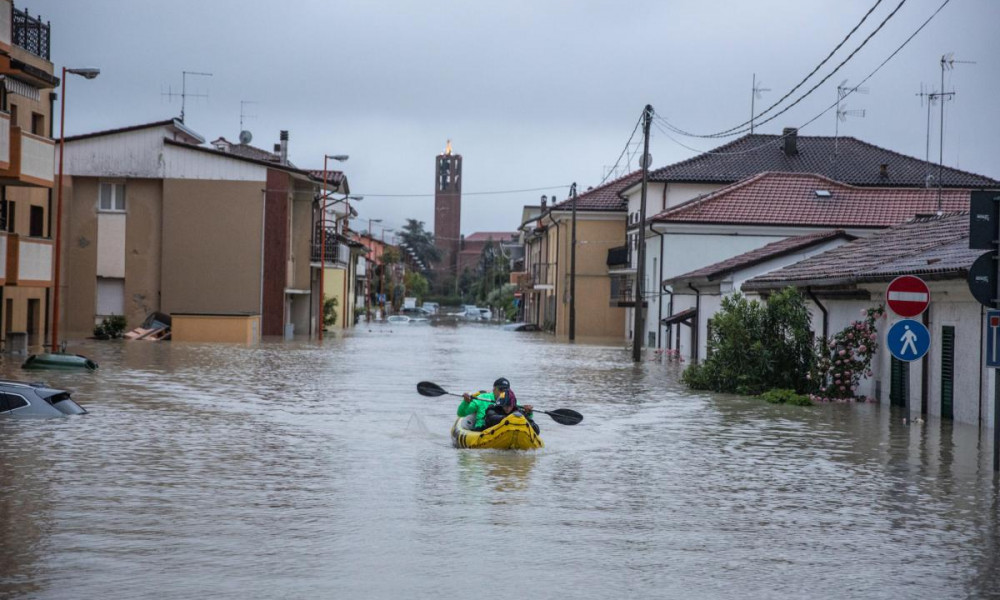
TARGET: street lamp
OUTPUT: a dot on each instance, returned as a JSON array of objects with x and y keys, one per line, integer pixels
[
  {"x": 86, "y": 73},
  {"x": 322, "y": 242}
]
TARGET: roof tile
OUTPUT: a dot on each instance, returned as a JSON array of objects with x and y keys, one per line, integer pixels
[{"x": 790, "y": 199}]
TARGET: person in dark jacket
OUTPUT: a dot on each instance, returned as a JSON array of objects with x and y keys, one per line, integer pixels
[{"x": 504, "y": 403}]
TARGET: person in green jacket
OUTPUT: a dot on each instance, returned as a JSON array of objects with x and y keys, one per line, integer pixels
[
  {"x": 476, "y": 404},
  {"x": 502, "y": 400}
]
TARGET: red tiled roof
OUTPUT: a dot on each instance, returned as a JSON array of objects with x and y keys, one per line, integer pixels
[
  {"x": 925, "y": 245},
  {"x": 845, "y": 159},
  {"x": 332, "y": 177},
  {"x": 603, "y": 197},
  {"x": 790, "y": 199},
  {"x": 496, "y": 236},
  {"x": 762, "y": 254}
]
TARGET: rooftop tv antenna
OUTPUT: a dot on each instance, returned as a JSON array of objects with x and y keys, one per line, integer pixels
[
  {"x": 947, "y": 64},
  {"x": 245, "y": 135},
  {"x": 184, "y": 94},
  {"x": 931, "y": 96},
  {"x": 755, "y": 95}
]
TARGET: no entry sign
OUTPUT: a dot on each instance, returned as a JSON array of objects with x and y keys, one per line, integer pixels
[{"x": 907, "y": 296}]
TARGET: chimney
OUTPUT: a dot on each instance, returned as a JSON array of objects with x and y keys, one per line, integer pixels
[
  {"x": 790, "y": 135},
  {"x": 545, "y": 202},
  {"x": 883, "y": 170},
  {"x": 284, "y": 146}
]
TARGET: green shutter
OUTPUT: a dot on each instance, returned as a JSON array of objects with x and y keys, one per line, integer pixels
[
  {"x": 898, "y": 382},
  {"x": 947, "y": 372}
]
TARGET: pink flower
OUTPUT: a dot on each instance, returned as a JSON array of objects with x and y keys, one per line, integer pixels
[
  {"x": 842, "y": 388},
  {"x": 842, "y": 352},
  {"x": 862, "y": 348}
]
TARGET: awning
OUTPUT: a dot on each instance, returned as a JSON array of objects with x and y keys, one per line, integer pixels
[
  {"x": 680, "y": 317},
  {"x": 16, "y": 86}
]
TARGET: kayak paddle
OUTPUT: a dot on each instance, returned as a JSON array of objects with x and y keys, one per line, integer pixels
[{"x": 563, "y": 416}]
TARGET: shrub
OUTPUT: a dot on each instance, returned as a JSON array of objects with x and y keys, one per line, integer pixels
[
  {"x": 110, "y": 328},
  {"x": 842, "y": 360},
  {"x": 780, "y": 396},
  {"x": 330, "y": 311},
  {"x": 755, "y": 347}
]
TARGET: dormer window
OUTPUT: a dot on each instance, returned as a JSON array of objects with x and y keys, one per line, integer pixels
[{"x": 823, "y": 194}]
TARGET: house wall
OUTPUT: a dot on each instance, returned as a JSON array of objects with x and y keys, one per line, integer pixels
[
  {"x": 595, "y": 317},
  {"x": 131, "y": 250},
  {"x": 135, "y": 154},
  {"x": 276, "y": 227},
  {"x": 212, "y": 239}
]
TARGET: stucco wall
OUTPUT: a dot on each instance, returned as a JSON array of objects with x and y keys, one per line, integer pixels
[
  {"x": 212, "y": 236},
  {"x": 595, "y": 317}
]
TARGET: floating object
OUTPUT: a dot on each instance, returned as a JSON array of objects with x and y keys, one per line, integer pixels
[
  {"x": 513, "y": 433},
  {"x": 59, "y": 361}
]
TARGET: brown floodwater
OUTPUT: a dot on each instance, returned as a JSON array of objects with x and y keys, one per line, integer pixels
[{"x": 298, "y": 470}]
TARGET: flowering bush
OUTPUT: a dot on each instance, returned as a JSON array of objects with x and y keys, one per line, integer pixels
[{"x": 842, "y": 360}]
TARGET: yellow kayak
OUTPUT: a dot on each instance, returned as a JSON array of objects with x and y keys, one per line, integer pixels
[{"x": 513, "y": 433}]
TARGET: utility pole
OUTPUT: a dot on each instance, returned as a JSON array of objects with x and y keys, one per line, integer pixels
[
  {"x": 572, "y": 270},
  {"x": 640, "y": 271}
]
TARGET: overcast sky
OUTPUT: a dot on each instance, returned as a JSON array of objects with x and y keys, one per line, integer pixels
[{"x": 534, "y": 94}]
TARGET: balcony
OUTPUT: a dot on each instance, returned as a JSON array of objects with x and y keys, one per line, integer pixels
[
  {"x": 29, "y": 32},
  {"x": 337, "y": 253},
  {"x": 542, "y": 274},
  {"x": 619, "y": 259},
  {"x": 31, "y": 160},
  {"x": 25, "y": 261},
  {"x": 623, "y": 291}
]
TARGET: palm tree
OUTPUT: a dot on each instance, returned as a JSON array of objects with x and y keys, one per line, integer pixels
[{"x": 420, "y": 241}]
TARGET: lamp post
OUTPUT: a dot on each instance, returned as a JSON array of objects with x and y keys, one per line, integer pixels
[
  {"x": 87, "y": 74},
  {"x": 322, "y": 242}
]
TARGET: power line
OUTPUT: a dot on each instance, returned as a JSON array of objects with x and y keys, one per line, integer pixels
[
  {"x": 743, "y": 129},
  {"x": 538, "y": 189},
  {"x": 826, "y": 110},
  {"x": 624, "y": 152}
]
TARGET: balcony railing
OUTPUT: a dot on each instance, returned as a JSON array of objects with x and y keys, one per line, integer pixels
[
  {"x": 540, "y": 274},
  {"x": 5, "y": 141},
  {"x": 29, "y": 32},
  {"x": 26, "y": 261},
  {"x": 623, "y": 291},
  {"x": 32, "y": 160},
  {"x": 336, "y": 251}
]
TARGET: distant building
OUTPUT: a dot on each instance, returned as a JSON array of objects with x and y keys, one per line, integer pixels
[
  {"x": 154, "y": 221},
  {"x": 473, "y": 245},
  {"x": 448, "y": 209}
]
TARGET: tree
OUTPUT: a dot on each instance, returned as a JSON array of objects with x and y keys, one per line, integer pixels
[
  {"x": 415, "y": 284},
  {"x": 420, "y": 241},
  {"x": 492, "y": 272}
]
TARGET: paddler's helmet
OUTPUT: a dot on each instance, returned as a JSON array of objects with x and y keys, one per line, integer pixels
[{"x": 501, "y": 384}]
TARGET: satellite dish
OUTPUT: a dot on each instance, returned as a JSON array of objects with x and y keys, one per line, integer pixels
[{"x": 245, "y": 137}]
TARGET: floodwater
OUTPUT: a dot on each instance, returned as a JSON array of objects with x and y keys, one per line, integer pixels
[{"x": 294, "y": 470}]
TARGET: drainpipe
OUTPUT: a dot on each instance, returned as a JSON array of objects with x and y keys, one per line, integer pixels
[
  {"x": 822, "y": 309},
  {"x": 555, "y": 278},
  {"x": 925, "y": 370},
  {"x": 697, "y": 321},
  {"x": 659, "y": 301},
  {"x": 663, "y": 290}
]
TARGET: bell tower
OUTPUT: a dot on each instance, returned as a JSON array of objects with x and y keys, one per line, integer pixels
[{"x": 448, "y": 208}]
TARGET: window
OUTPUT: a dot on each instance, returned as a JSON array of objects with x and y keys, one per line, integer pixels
[
  {"x": 10, "y": 402},
  {"x": 13, "y": 115},
  {"x": 37, "y": 123},
  {"x": 37, "y": 221},
  {"x": 112, "y": 196},
  {"x": 110, "y": 296}
]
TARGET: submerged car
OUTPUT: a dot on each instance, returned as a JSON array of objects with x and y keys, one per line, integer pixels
[{"x": 22, "y": 399}]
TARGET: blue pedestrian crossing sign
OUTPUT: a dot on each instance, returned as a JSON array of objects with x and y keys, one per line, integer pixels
[
  {"x": 993, "y": 338},
  {"x": 908, "y": 340}
]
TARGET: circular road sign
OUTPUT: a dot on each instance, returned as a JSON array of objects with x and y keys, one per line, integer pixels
[{"x": 907, "y": 296}]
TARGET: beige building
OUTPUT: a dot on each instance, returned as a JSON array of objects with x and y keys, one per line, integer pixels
[
  {"x": 157, "y": 222},
  {"x": 27, "y": 167},
  {"x": 545, "y": 282}
]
